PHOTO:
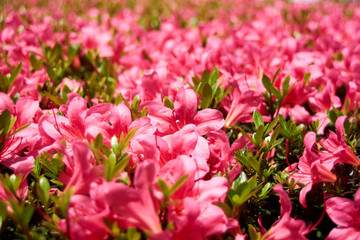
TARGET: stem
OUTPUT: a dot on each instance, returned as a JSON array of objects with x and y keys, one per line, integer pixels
[{"x": 321, "y": 217}]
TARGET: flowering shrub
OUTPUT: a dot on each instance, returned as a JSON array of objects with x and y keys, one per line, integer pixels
[{"x": 179, "y": 120}]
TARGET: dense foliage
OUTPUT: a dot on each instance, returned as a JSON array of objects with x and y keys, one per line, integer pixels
[{"x": 203, "y": 119}]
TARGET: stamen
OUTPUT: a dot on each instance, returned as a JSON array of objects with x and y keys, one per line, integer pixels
[
  {"x": 247, "y": 84},
  {"x": 15, "y": 149},
  {"x": 56, "y": 126}
]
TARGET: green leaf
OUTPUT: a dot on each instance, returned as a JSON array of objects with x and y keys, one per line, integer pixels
[
  {"x": 214, "y": 75},
  {"x": 106, "y": 150},
  {"x": 45, "y": 186},
  {"x": 220, "y": 97},
  {"x": 27, "y": 214},
  {"x": 205, "y": 76},
  {"x": 258, "y": 135},
  {"x": 225, "y": 208},
  {"x": 282, "y": 121},
  {"x": 246, "y": 135},
  {"x": 63, "y": 201},
  {"x": 275, "y": 134},
  {"x": 3, "y": 82},
  {"x": 276, "y": 93},
  {"x": 73, "y": 49},
  {"x": 164, "y": 187},
  {"x": 206, "y": 96},
  {"x": 267, "y": 83},
  {"x": 332, "y": 116},
  {"x": 133, "y": 234},
  {"x": 271, "y": 125},
  {"x": 5, "y": 122},
  {"x": 121, "y": 165},
  {"x": 115, "y": 144},
  {"x": 48, "y": 164},
  {"x": 14, "y": 74},
  {"x": 276, "y": 74},
  {"x": 168, "y": 103},
  {"x": 178, "y": 183},
  {"x": 204, "y": 79},
  {"x": 51, "y": 73},
  {"x": 254, "y": 235},
  {"x": 109, "y": 165},
  {"x": 279, "y": 141},
  {"x": 285, "y": 86},
  {"x": 35, "y": 63},
  {"x": 99, "y": 141},
  {"x": 15, "y": 182},
  {"x": 307, "y": 77},
  {"x": 37, "y": 166},
  {"x": 127, "y": 139},
  {"x": 66, "y": 90},
  {"x": 3, "y": 212},
  {"x": 244, "y": 189},
  {"x": 265, "y": 190},
  {"x": 258, "y": 120},
  {"x": 19, "y": 129},
  {"x": 196, "y": 82}
]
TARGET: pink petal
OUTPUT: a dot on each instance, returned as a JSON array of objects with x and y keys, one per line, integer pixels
[
  {"x": 284, "y": 201},
  {"x": 76, "y": 114},
  {"x": 342, "y": 211},
  {"x": 183, "y": 142},
  {"x": 6, "y": 103},
  {"x": 350, "y": 233},
  {"x": 185, "y": 105},
  {"x": 208, "y": 120},
  {"x": 213, "y": 190}
]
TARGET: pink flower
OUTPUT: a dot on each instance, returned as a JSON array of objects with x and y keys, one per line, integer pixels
[
  {"x": 286, "y": 227},
  {"x": 80, "y": 169},
  {"x": 337, "y": 151},
  {"x": 243, "y": 104},
  {"x": 221, "y": 154},
  {"x": 195, "y": 216},
  {"x": 184, "y": 143},
  {"x": 86, "y": 218},
  {"x": 134, "y": 207},
  {"x": 311, "y": 169},
  {"x": 94, "y": 37},
  {"x": 346, "y": 214},
  {"x": 18, "y": 151},
  {"x": 169, "y": 121}
]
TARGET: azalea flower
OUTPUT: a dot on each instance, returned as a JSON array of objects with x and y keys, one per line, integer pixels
[
  {"x": 344, "y": 213},
  {"x": 242, "y": 106},
  {"x": 286, "y": 227},
  {"x": 337, "y": 151},
  {"x": 311, "y": 169},
  {"x": 169, "y": 121}
]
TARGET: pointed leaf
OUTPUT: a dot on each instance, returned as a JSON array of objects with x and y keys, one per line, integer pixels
[
  {"x": 178, "y": 183},
  {"x": 99, "y": 141},
  {"x": 258, "y": 120},
  {"x": 206, "y": 96},
  {"x": 115, "y": 144},
  {"x": 168, "y": 103},
  {"x": 14, "y": 74},
  {"x": 164, "y": 187},
  {"x": 267, "y": 83},
  {"x": 276, "y": 74},
  {"x": 3, "y": 212}
]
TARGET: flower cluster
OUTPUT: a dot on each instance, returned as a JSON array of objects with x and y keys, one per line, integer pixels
[{"x": 179, "y": 120}]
